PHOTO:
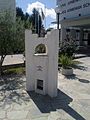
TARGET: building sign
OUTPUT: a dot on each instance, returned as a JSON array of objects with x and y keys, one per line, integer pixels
[{"x": 73, "y": 8}]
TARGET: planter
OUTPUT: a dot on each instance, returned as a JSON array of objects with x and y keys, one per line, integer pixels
[{"x": 67, "y": 71}]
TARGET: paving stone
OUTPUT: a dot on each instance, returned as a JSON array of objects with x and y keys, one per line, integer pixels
[
  {"x": 17, "y": 115},
  {"x": 23, "y": 106},
  {"x": 34, "y": 113},
  {"x": 42, "y": 117},
  {"x": 2, "y": 114},
  {"x": 54, "y": 116},
  {"x": 73, "y": 100},
  {"x": 5, "y": 107},
  {"x": 16, "y": 119}
]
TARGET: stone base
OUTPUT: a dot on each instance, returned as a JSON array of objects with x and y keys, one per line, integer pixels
[{"x": 67, "y": 71}]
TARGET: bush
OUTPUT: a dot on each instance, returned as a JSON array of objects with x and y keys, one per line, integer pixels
[{"x": 68, "y": 47}]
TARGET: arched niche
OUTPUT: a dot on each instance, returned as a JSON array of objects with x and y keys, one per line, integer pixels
[{"x": 41, "y": 49}]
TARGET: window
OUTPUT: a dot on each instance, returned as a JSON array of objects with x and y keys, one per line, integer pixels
[
  {"x": 85, "y": 35},
  {"x": 77, "y": 35},
  {"x": 41, "y": 48}
]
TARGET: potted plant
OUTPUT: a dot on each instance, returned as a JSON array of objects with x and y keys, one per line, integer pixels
[{"x": 67, "y": 63}]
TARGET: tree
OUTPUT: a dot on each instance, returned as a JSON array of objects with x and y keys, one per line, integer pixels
[
  {"x": 33, "y": 21},
  {"x": 19, "y": 42},
  {"x": 11, "y": 36},
  {"x": 68, "y": 46},
  {"x": 25, "y": 18},
  {"x": 36, "y": 21},
  {"x": 19, "y": 13},
  {"x": 6, "y": 36}
]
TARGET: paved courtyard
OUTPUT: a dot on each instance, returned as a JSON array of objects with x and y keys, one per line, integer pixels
[
  {"x": 72, "y": 102},
  {"x": 13, "y": 59}
]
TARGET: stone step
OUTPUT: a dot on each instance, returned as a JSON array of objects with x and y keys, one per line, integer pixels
[
  {"x": 60, "y": 114},
  {"x": 41, "y": 117}
]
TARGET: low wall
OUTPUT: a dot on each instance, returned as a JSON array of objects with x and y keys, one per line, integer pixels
[{"x": 5, "y": 67}]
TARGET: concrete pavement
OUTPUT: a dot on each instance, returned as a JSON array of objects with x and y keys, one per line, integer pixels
[
  {"x": 72, "y": 102},
  {"x": 13, "y": 59}
]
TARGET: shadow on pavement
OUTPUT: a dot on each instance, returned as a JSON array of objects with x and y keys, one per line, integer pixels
[
  {"x": 47, "y": 104},
  {"x": 74, "y": 77},
  {"x": 80, "y": 67},
  {"x": 84, "y": 81},
  {"x": 11, "y": 90},
  {"x": 80, "y": 56}
]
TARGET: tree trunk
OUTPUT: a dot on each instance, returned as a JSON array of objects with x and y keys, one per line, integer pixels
[
  {"x": 0, "y": 68},
  {"x": 1, "y": 62}
]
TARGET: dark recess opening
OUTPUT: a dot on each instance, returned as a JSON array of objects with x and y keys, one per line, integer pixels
[
  {"x": 89, "y": 39},
  {"x": 40, "y": 84}
]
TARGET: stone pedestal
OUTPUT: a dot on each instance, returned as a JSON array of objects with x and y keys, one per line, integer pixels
[{"x": 42, "y": 68}]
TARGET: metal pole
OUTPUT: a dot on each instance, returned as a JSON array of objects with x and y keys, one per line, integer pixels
[
  {"x": 58, "y": 24},
  {"x": 58, "y": 21},
  {"x": 38, "y": 21},
  {"x": 45, "y": 16},
  {"x": 35, "y": 21}
]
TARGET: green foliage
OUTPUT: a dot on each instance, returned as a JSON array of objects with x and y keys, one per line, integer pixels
[
  {"x": 19, "y": 43},
  {"x": 19, "y": 13},
  {"x": 68, "y": 46},
  {"x": 36, "y": 21},
  {"x": 65, "y": 61},
  {"x": 40, "y": 49},
  {"x": 12, "y": 33},
  {"x": 7, "y": 33},
  {"x": 12, "y": 36},
  {"x": 33, "y": 21},
  {"x": 25, "y": 18},
  {"x": 19, "y": 70}
]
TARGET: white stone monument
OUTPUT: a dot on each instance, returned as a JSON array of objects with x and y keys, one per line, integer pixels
[{"x": 42, "y": 68}]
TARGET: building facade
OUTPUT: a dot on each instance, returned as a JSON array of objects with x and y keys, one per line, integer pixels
[
  {"x": 74, "y": 17},
  {"x": 10, "y": 5}
]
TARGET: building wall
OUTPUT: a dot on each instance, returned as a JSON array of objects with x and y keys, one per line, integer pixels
[
  {"x": 6, "y": 5},
  {"x": 74, "y": 15},
  {"x": 73, "y": 8}
]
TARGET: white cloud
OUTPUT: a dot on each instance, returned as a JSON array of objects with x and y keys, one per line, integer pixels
[
  {"x": 38, "y": 5},
  {"x": 51, "y": 13},
  {"x": 54, "y": 26}
]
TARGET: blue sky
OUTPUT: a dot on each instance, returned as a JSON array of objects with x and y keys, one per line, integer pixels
[{"x": 48, "y": 7}]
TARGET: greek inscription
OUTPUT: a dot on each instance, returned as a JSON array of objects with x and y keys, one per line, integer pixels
[
  {"x": 86, "y": 5},
  {"x": 73, "y": 1},
  {"x": 82, "y": 6},
  {"x": 75, "y": 8}
]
